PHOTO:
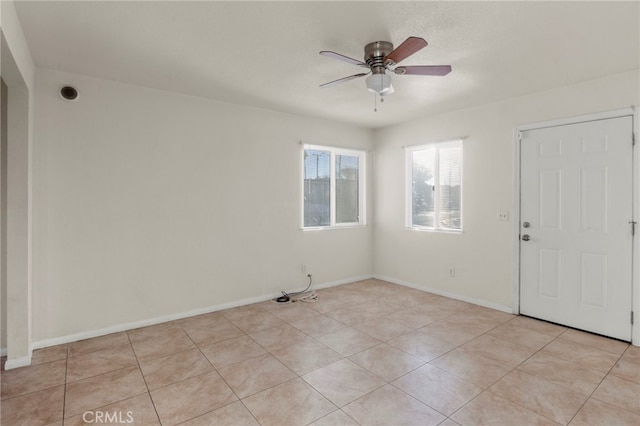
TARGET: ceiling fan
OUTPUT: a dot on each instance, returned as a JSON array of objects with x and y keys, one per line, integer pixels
[{"x": 381, "y": 59}]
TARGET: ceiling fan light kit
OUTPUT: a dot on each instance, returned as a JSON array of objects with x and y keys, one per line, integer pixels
[
  {"x": 379, "y": 84},
  {"x": 381, "y": 59}
]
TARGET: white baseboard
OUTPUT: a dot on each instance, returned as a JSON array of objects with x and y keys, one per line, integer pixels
[
  {"x": 341, "y": 282},
  {"x": 18, "y": 362},
  {"x": 439, "y": 292},
  {"x": 180, "y": 315},
  {"x": 3, "y": 351}
]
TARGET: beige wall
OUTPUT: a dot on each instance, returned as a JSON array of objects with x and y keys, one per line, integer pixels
[
  {"x": 483, "y": 253},
  {"x": 149, "y": 204}
]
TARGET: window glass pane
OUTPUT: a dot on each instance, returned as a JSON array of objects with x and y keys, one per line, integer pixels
[
  {"x": 347, "y": 195},
  {"x": 423, "y": 188},
  {"x": 317, "y": 200},
  {"x": 450, "y": 187}
]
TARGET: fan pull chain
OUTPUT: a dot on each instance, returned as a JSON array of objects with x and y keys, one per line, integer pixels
[{"x": 375, "y": 102}]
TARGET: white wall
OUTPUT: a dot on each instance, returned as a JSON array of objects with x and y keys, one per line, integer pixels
[
  {"x": 17, "y": 69},
  {"x": 149, "y": 203},
  {"x": 483, "y": 253},
  {"x": 3, "y": 215},
  {"x": 16, "y": 43}
]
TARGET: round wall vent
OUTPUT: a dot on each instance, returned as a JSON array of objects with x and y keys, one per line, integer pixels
[{"x": 69, "y": 93}]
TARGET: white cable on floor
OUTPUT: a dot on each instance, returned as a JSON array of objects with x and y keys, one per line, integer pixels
[{"x": 310, "y": 297}]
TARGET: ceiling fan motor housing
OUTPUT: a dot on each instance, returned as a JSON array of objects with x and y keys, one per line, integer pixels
[{"x": 374, "y": 54}]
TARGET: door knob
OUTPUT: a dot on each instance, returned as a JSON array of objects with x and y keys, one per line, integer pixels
[
  {"x": 526, "y": 237},
  {"x": 526, "y": 225}
]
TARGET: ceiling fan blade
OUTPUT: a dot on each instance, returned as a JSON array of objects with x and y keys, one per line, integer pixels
[
  {"x": 406, "y": 49},
  {"x": 423, "y": 70},
  {"x": 343, "y": 58},
  {"x": 342, "y": 80}
]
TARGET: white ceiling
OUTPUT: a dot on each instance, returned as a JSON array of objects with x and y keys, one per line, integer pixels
[{"x": 265, "y": 54}]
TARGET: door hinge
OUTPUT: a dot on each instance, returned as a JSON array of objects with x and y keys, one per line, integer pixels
[
  {"x": 633, "y": 227},
  {"x": 633, "y": 139},
  {"x": 631, "y": 317}
]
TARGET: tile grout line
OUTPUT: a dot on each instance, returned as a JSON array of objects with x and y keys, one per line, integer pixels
[
  {"x": 597, "y": 386},
  {"x": 521, "y": 363},
  {"x": 37, "y": 390},
  {"x": 198, "y": 375},
  {"x": 421, "y": 402},
  {"x": 107, "y": 372},
  {"x": 64, "y": 395},
  {"x": 297, "y": 376},
  {"x": 144, "y": 379},
  {"x": 540, "y": 378},
  {"x": 220, "y": 375},
  {"x": 486, "y": 389}
]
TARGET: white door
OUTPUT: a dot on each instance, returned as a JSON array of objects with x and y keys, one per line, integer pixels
[{"x": 576, "y": 236}]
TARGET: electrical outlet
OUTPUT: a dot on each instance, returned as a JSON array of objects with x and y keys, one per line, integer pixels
[
  {"x": 452, "y": 271},
  {"x": 503, "y": 216}
]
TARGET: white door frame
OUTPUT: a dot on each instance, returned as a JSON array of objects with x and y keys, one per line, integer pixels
[{"x": 635, "y": 287}]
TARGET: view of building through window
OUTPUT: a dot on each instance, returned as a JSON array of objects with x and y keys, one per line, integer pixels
[
  {"x": 332, "y": 186},
  {"x": 317, "y": 199},
  {"x": 435, "y": 179}
]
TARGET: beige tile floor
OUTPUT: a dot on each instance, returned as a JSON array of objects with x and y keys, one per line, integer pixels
[{"x": 369, "y": 352}]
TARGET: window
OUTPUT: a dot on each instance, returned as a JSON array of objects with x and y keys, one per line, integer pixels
[
  {"x": 333, "y": 181},
  {"x": 434, "y": 186}
]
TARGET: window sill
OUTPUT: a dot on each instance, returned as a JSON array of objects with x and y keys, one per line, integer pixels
[
  {"x": 434, "y": 230},
  {"x": 333, "y": 228}
]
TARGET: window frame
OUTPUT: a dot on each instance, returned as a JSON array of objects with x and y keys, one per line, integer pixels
[
  {"x": 436, "y": 146},
  {"x": 362, "y": 187}
]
